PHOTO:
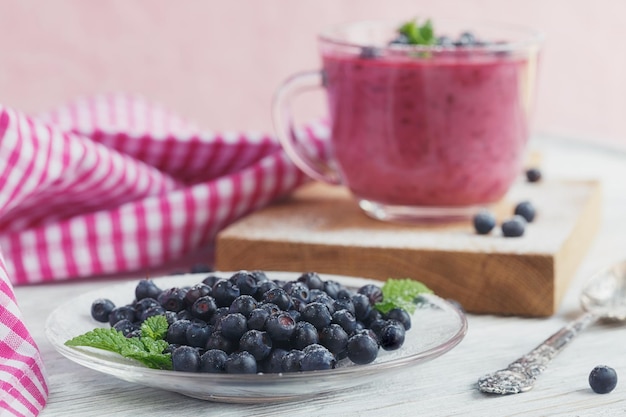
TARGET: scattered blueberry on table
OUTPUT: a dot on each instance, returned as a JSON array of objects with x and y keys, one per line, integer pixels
[
  {"x": 484, "y": 222},
  {"x": 533, "y": 175},
  {"x": 514, "y": 227},
  {"x": 603, "y": 379},
  {"x": 526, "y": 210}
]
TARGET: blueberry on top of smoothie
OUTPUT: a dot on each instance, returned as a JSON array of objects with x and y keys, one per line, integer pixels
[{"x": 370, "y": 52}]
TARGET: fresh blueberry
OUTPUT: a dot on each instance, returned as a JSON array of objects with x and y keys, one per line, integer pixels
[
  {"x": 298, "y": 291},
  {"x": 121, "y": 313},
  {"x": 243, "y": 304},
  {"x": 279, "y": 297},
  {"x": 233, "y": 326},
  {"x": 197, "y": 334},
  {"x": 362, "y": 306},
  {"x": 259, "y": 276},
  {"x": 186, "y": 359},
  {"x": 514, "y": 227},
  {"x": 391, "y": 336},
  {"x": 312, "y": 280},
  {"x": 377, "y": 326},
  {"x": 181, "y": 315},
  {"x": 345, "y": 319},
  {"x": 334, "y": 338},
  {"x": 362, "y": 348},
  {"x": 344, "y": 304},
  {"x": 225, "y": 292},
  {"x": 264, "y": 287},
  {"x": 257, "y": 343},
  {"x": 219, "y": 314},
  {"x": 144, "y": 304},
  {"x": 526, "y": 210},
  {"x": 400, "y": 315},
  {"x": 280, "y": 327},
  {"x": 327, "y": 301},
  {"x": 147, "y": 288},
  {"x": 603, "y": 379},
  {"x": 273, "y": 364},
  {"x": 344, "y": 293},
  {"x": 134, "y": 333},
  {"x": 177, "y": 332},
  {"x": 484, "y": 222},
  {"x": 203, "y": 308},
  {"x": 240, "y": 363},
  {"x": 271, "y": 308},
  {"x": 317, "y": 314},
  {"x": 304, "y": 334},
  {"x": 151, "y": 311},
  {"x": 372, "y": 292},
  {"x": 101, "y": 309},
  {"x": 211, "y": 280},
  {"x": 171, "y": 317},
  {"x": 332, "y": 288},
  {"x": 533, "y": 175},
  {"x": 245, "y": 281},
  {"x": 257, "y": 318},
  {"x": 125, "y": 326},
  {"x": 317, "y": 358},
  {"x": 372, "y": 316},
  {"x": 213, "y": 361},
  {"x": 195, "y": 292},
  {"x": 173, "y": 299},
  {"x": 218, "y": 341},
  {"x": 296, "y": 306},
  {"x": 292, "y": 360}
]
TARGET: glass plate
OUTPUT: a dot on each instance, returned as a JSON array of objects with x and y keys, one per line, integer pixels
[{"x": 437, "y": 327}]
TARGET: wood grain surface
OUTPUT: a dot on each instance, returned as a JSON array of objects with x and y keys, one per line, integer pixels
[{"x": 321, "y": 228}]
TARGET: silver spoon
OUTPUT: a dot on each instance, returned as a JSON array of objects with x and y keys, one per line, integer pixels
[{"x": 603, "y": 297}]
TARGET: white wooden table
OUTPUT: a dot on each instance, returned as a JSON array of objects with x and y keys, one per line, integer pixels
[{"x": 443, "y": 387}]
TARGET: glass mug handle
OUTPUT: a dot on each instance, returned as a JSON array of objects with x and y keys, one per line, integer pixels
[{"x": 283, "y": 125}]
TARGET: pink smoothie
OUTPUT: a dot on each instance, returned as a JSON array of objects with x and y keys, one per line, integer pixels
[{"x": 436, "y": 131}]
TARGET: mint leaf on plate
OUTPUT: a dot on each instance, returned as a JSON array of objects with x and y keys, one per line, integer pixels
[
  {"x": 147, "y": 349},
  {"x": 154, "y": 327},
  {"x": 401, "y": 293}
]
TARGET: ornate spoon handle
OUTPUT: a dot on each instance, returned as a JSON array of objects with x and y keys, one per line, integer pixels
[{"x": 520, "y": 376}]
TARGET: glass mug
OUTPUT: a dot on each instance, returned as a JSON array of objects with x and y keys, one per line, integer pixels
[{"x": 419, "y": 133}]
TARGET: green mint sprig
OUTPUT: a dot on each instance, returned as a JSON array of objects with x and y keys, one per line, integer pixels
[
  {"x": 147, "y": 349},
  {"x": 401, "y": 293},
  {"x": 417, "y": 34}
]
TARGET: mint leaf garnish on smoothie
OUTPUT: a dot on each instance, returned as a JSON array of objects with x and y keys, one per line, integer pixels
[
  {"x": 401, "y": 293},
  {"x": 417, "y": 34},
  {"x": 147, "y": 349}
]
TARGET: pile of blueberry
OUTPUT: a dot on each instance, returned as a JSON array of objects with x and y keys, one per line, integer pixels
[{"x": 248, "y": 323}]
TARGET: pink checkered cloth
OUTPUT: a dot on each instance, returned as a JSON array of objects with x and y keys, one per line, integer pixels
[{"x": 111, "y": 185}]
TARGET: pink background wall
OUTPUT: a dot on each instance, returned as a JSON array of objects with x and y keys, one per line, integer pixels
[{"x": 218, "y": 62}]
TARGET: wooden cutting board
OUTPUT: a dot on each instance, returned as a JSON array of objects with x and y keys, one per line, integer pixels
[{"x": 320, "y": 228}]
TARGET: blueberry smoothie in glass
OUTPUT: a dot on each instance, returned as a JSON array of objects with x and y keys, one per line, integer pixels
[{"x": 427, "y": 128}]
